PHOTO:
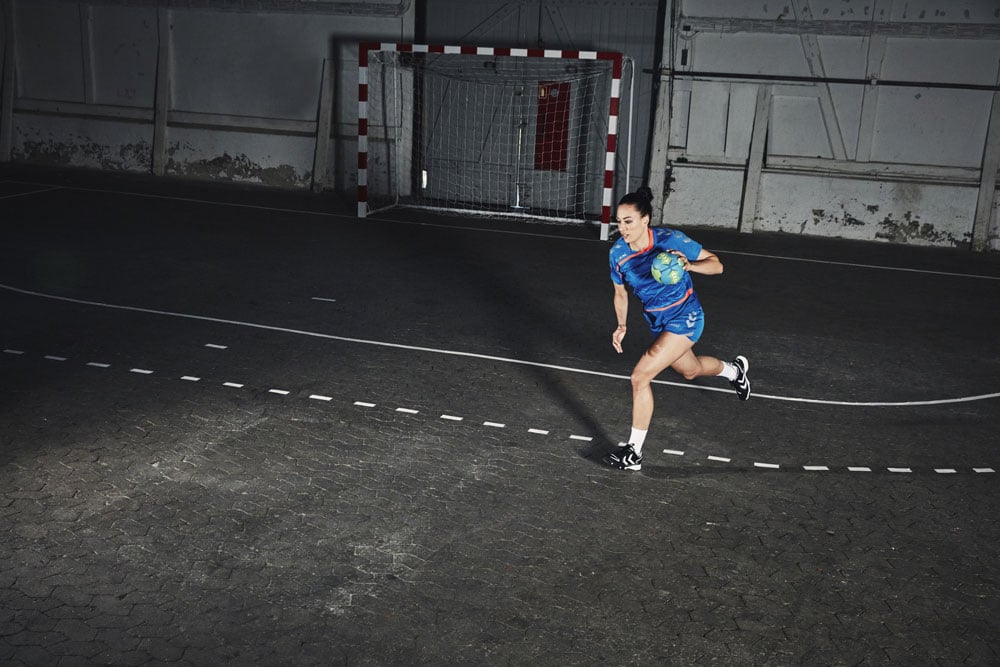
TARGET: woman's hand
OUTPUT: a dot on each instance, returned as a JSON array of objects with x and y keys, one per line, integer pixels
[{"x": 616, "y": 338}]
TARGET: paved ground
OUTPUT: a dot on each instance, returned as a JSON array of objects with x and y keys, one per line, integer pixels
[{"x": 236, "y": 431}]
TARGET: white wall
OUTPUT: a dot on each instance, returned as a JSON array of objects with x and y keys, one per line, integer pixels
[{"x": 880, "y": 161}]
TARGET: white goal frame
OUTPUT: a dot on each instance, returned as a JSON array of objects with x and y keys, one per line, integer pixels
[{"x": 615, "y": 59}]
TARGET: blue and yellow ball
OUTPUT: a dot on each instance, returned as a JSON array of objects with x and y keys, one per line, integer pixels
[{"x": 667, "y": 268}]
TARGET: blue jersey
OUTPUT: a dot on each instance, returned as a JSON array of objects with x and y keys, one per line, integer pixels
[{"x": 633, "y": 268}]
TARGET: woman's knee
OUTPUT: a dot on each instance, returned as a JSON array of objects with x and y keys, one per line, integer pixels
[{"x": 640, "y": 379}]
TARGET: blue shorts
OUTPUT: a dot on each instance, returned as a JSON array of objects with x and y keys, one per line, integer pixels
[{"x": 687, "y": 319}]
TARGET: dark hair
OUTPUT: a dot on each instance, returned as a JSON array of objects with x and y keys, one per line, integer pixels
[{"x": 641, "y": 199}]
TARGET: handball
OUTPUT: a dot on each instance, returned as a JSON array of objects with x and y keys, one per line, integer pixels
[{"x": 667, "y": 268}]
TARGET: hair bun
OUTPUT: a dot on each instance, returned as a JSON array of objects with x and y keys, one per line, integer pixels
[{"x": 645, "y": 193}]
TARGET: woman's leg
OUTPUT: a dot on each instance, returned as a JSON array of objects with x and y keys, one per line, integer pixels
[
  {"x": 690, "y": 366},
  {"x": 666, "y": 350}
]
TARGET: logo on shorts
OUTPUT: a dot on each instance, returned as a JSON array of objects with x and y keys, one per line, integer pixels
[{"x": 692, "y": 320}]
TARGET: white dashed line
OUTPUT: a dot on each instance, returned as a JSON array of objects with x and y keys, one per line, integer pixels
[
  {"x": 536, "y": 431},
  {"x": 319, "y": 298},
  {"x": 216, "y": 347}
]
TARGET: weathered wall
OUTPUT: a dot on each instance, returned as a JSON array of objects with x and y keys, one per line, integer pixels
[
  {"x": 241, "y": 92},
  {"x": 842, "y": 157},
  {"x": 631, "y": 28}
]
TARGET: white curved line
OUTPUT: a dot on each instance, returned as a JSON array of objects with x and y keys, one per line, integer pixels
[
  {"x": 507, "y": 360},
  {"x": 861, "y": 266}
]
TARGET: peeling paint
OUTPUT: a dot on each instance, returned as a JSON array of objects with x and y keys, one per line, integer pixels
[
  {"x": 127, "y": 157},
  {"x": 910, "y": 229},
  {"x": 872, "y": 208},
  {"x": 237, "y": 168}
]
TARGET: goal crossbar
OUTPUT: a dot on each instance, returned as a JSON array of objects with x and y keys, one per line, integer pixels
[{"x": 369, "y": 50}]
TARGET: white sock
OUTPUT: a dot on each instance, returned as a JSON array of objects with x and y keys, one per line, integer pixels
[
  {"x": 636, "y": 439},
  {"x": 728, "y": 371}
]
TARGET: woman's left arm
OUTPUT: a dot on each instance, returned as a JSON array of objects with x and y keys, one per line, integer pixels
[{"x": 707, "y": 264}]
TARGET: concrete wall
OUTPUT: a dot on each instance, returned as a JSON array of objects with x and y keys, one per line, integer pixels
[
  {"x": 878, "y": 118},
  {"x": 237, "y": 94},
  {"x": 630, "y": 27}
]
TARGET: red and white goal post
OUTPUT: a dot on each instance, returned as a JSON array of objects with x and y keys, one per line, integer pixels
[{"x": 530, "y": 133}]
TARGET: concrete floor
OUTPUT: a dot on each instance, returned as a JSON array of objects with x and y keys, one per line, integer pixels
[{"x": 242, "y": 426}]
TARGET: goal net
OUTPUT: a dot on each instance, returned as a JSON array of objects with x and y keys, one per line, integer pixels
[{"x": 500, "y": 131}]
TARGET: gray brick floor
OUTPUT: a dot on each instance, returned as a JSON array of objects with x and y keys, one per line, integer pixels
[{"x": 402, "y": 506}]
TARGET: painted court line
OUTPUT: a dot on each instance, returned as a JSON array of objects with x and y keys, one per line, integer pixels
[
  {"x": 673, "y": 452},
  {"x": 33, "y": 192},
  {"x": 487, "y": 357},
  {"x": 216, "y": 347},
  {"x": 52, "y": 357},
  {"x": 46, "y": 188}
]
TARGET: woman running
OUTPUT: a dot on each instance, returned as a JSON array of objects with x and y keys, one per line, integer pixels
[{"x": 673, "y": 312}]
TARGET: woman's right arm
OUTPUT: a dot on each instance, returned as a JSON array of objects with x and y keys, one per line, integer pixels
[{"x": 621, "y": 312}]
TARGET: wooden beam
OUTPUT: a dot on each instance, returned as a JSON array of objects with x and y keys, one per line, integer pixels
[
  {"x": 755, "y": 163},
  {"x": 87, "y": 52},
  {"x": 164, "y": 82},
  {"x": 869, "y": 98},
  {"x": 9, "y": 81},
  {"x": 983, "y": 222},
  {"x": 321, "y": 157},
  {"x": 659, "y": 160}
]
